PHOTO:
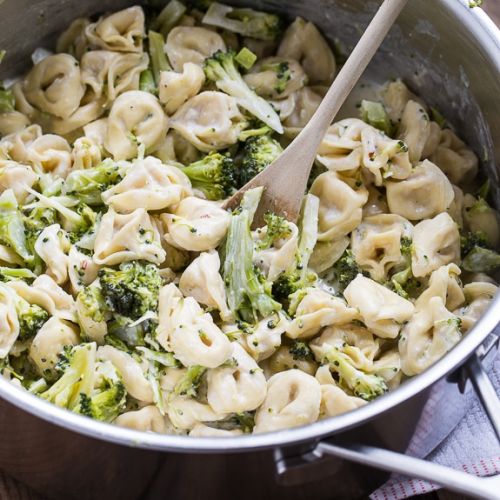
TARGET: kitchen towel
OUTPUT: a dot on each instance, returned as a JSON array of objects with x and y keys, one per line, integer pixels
[{"x": 454, "y": 431}]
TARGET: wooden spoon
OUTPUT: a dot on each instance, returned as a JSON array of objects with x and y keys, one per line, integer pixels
[{"x": 285, "y": 180}]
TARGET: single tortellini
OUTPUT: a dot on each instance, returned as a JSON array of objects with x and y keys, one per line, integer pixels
[
  {"x": 126, "y": 237},
  {"x": 376, "y": 243},
  {"x": 316, "y": 310},
  {"x": 305, "y": 104},
  {"x": 9, "y": 323},
  {"x": 201, "y": 430},
  {"x": 326, "y": 253},
  {"x": 388, "y": 366},
  {"x": 148, "y": 184},
  {"x": 238, "y": 388},
  {"x": 334, "y": 401},
  {"x": 276, "y": 77},
  {"x": 186, "y": 44},
  {"x": 86, "y": 153},
  {"x": 293, "y": 399},
  {"x": 136, "y": 118},
  {"x": 122, "y": 31},
  {"x": 454, "y": 158},
  {"x": 52, "y": 246},
  {"x": 17, "y": 177},
  {"x": 176, "y": 88},
  {"x": 196, "y": 225},
  {"x": 436, "y": 242},
  {"x": 280, "y": 256},
  {"x": 49, "y": 342},
  {"x": 427, "y": 337},
  {"x": 382, "y": 311},
  {"x": 444, "y": 283},
  {"x": 190, "y": 332},
  {"x": 340, "y": 207},
  {"x": 46, "y": 293},
  {"x": 414, "y": 129},
  {"x": 424, "y": 194},
  {"x": 134, "y": 379},
  {"x": 303, "y": 42},
  {"x": 16, "y": 146},
  {"x": 210, "y": 120},
  {"x": 73, "y": 40},
  {"x": 478, "y": 296},
  {"x": 284, "y": 359},
  {"x": 186, "y": 413},
  {"x": 110, "y": 73},
  {"x": 355, "y": 341},
  {"x": 51, "y": 153},
  {"x": 480, "y": 217},
  {"x": 202, "y": 281},
  {"x": 433, "y": 140},
  {"x": 265, "y": 337},
  {"x": 147, "y": 419},
  {"x": 54, "y": 85}
]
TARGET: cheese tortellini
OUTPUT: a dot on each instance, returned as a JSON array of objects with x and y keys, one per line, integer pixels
[{"x": 130, "y": 293}]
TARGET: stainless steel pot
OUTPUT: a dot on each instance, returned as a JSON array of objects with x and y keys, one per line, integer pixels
[{"x": 443, "y": 50}]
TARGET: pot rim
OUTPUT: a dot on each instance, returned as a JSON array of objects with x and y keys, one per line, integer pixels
[{"x": 486, "y": 33}]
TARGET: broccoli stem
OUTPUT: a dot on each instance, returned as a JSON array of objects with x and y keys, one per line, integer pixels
[
  {"x": 245, "y": 58},
  {"x": 169, "y": 17},
  {"x": 374, "y": 114},
  {"x": 248, "y": 294},
  {"x": 147, "y": 82},
  {"x": 159, "y": 61}
]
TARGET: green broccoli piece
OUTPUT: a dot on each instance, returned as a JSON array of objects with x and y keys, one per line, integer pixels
[
  {"x": 259, "y": 151},
  {"x": 22, "y": 368},
  {"x": 169, "y": 17},
  {"x": 345, "y": 270},
  {"x": 166, "y": 359},
  {"x": 364, "y": 385},
  {"x": 132, "y": 290},
  {"x": 277, "y": 229},
  {"x": 77, "y": 364},
  {"x": 301, "y": 351},
  {"x": 245, "y": 58},
  {"x": 12, "y": 230},
  {"x": 375, "y": 115},
  {"x": 299, "y": 276},
  {"x": 15, "y": 273},
  {"x": 88, "y": 184},
  {"x": 108, "y": 397},
  {"x": 221, "y": 69},
  {"x": 31, "y": 318},
  {"x": 91, "y": 303},
  {"x": 248, "y": 293},
  {"x": 189, "y": 384},
  {"x": 213, "y": 175},
  {"x": 471, "y": 240},
  {"x": 245, "y": 22},
  {"x": 147, "y": 82},
  {"x": 157, "y": 55},
  {"x": 283, "y": 74},
  {"x": 244, "y": 421},
  {"x": 7, "y": 101},
  {"x": 405, "y": 284},
  {"x": 481, "y": 260}
]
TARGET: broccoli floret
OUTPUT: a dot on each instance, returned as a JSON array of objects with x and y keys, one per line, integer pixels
[
  {"x": 132, "y": 290},
  {"x": 213, "y": 175},
  {"x": 221, "y": 69},
  {"x": 248, "y": 292},
  {"x": 471, "y": 240},
  {"x": 12, "y": 230},
  {"x": 364, "y": 385},
  {"x": 405, "y": 284},
  {"x": 375, "y": 114},
  {"x": 246, "y": 22},
  {"x": 189, "y": 384},
  {"x": 299, "y": 276},
  {"x": 88, "y": 184},
  {"x": 301, "y": 351},
  {"x": 77, "y": 365},
  {"x": 259, "y": 151},
  {"x": 277, "y": 229},
  {"x": 31, "y": 318},
  {"x": 91, "y": 303},
  {"x": 108, "y": 397},
  {"x": 481, "y": 260},
  {"x": 345, "y": 270}
]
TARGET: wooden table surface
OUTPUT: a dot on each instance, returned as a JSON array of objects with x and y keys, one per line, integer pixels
[{"x": 11, "y": 489}]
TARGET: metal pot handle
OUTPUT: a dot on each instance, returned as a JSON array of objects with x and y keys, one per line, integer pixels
[{"x": 391, "y": 461}]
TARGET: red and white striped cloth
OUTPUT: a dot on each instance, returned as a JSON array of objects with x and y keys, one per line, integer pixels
[{"x": 453, "y": 430}]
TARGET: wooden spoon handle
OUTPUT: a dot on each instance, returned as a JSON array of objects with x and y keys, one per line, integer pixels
[{"x": 350, "y": 73}]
